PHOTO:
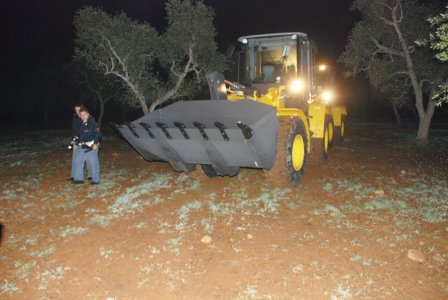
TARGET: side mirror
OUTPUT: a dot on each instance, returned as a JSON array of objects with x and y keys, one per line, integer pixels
[
  {"x": 230, "y": 52},
  {"x": 286, "y": 50}
]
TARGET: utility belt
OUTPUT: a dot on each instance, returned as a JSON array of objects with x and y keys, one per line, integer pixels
[{"x": 88, "y": 144}]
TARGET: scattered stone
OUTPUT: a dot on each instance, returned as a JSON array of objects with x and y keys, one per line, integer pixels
[
  {"x": 415, "y": 255},
  {"x": 379, "y": 192},
  {"x": 250, "y": 236},
  {"x": 243, "y": 218},
  {"x": 421, "y": 243},
  {"x": 115, "y": 154},
  {"x": 403, "y": 172},
  {"x": 206, "y": 239}
]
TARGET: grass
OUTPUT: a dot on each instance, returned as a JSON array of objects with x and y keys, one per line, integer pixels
[
  {"x": 70, "y": 230},
  {"x": 44, "y": 252},
  {"x": 410, "y": 201},
  {"x": 8, "y": 287}
]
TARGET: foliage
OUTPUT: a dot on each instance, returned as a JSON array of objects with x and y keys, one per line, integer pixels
[
  {"x": 439, "y": 43},
  {"x": 439, "y": 38},
  {"x": 154, "y": 67},
  {"x": 374, "y": 48},
  {"x": 382, "y": 46}
]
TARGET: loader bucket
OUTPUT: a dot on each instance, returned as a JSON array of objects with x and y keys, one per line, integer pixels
[{"x": 222, "y": 134}]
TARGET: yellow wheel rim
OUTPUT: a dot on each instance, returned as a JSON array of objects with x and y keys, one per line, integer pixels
[
  {"x": 326, "y": 140},
  {"x": 298, "y": 153},
  {"x": 342, "y": 129}
]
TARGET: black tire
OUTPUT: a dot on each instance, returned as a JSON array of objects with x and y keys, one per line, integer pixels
[
  {"x": 319, "y": 147},
  {"x": 329, "y": 121},
  {"x": 339, "y": 133},
  {"x": 283, "y": 172},
  {"x": 182, "y": 167},
  {"x": 208, "y": 171}
]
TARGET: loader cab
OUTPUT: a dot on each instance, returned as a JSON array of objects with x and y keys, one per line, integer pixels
[{"x": 280, "y": 59}]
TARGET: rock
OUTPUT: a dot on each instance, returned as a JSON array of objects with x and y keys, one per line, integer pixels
[
  {"x": 415, "y": 255},
  {"x": 206, "y": 239},
  {"x": 250, "y": 236},
  {"x": 379, "y": 192},
  {"x": 403, "y": 172},
  {"x": 421, "y": 243}
]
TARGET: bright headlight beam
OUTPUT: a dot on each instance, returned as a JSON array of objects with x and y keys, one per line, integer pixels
[
  {"x": 327, "y": 96},
  {"x": 297, "y": 86}
]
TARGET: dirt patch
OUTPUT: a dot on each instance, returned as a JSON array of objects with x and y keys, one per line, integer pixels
[{"x": 345, "y": 232}]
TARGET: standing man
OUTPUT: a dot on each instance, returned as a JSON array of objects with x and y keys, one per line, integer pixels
[
  {"x": 86, "y": 149},
  {"x": 76, "y": 126}
]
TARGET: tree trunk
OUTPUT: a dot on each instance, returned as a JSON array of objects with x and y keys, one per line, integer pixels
[
  {"x": 143, "y": 104},
  {"x": 397, "y": 115},
  {"x": 425, "y": 119},
  {"x": 425, "y": 116}
]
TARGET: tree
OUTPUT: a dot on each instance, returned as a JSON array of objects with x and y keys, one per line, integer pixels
[
  {"x": 439, "y": 43},
  {"x": 382, "y": 45},
  {"x": 154, "y": 67},
  {"x": 101, "y": 89}
]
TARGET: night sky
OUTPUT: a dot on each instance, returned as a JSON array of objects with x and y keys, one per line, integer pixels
[{"x": 38, "y": 34}]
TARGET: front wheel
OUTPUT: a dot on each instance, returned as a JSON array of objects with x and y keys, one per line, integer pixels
[{"x": 291, "y": 156}]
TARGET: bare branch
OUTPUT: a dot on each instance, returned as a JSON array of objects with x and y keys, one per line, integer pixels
[{"x": 383, "y": 49}]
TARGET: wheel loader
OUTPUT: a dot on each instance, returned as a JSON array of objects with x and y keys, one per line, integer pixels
[{"x": 270, "y": 118}]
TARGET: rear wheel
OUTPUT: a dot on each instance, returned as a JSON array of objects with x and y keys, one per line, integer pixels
[
  {"x": 339, "y": 132},
  {"x": 330, "y": 131},
  {"x": 208, "y": 171},
  {"x": 182, "y": 167},
  {"x": 291, "y": 156},
  {"x": 320, "y": 146}
]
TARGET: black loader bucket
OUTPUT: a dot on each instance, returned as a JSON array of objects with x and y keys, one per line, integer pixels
[{"x": 217, "y": 134}]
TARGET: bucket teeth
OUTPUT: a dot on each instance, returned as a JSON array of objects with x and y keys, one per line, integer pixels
[
  {"x": 131, "y": 127},
  {"x": 222, "y": 128},
  {"x": 147, "y": 128},
  {"x": 182, "y": 127},
  {"x": 201, "y": 128},
  {"x": 164, "y": 127},
  {"x": 222, "y": 136},
  {"x": 247, "y": 131}
]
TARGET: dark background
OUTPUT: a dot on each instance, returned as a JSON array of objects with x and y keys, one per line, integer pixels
[{"x": 37, "y": 38}]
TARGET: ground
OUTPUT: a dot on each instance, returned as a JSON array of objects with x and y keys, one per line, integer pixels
[{"x": 148, "y": 232}]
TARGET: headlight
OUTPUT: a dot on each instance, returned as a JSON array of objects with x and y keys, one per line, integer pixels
[
  {"x": 327, "y": 96},
  {"x": 322, "y": 68},
  {"x": 296, "y": 86},
  {"x": 223, "y": 88}
]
